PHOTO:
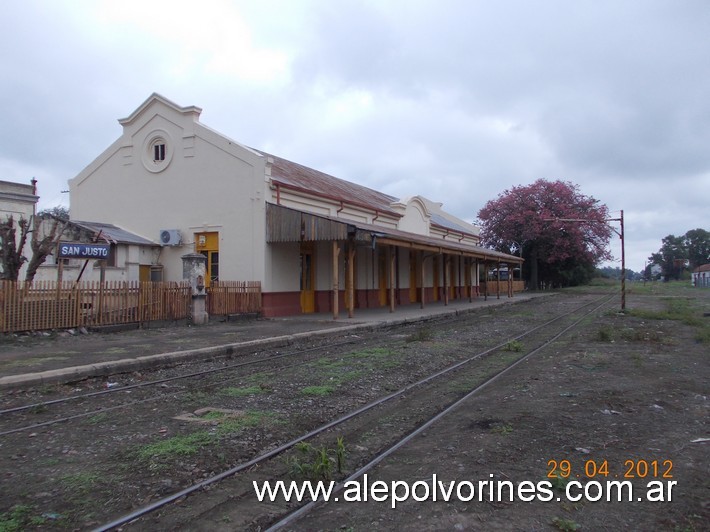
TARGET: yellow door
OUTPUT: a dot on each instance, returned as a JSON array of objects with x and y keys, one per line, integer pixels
[
  {"x": 308, "y": 278},
  {"x": 208, "y": 244},
  {"x": 144, "y": 273}
]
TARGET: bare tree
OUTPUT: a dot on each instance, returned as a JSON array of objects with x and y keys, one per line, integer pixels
[
  {"x": 11, "y": 257},
  {"x": 46, "y": 232},
  {"x": 43, "y": 230}
]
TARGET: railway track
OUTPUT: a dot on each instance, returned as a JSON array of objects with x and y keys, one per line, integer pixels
[
  {"x": 372, "y": 431},
  {"x": 90, "y": 403}
]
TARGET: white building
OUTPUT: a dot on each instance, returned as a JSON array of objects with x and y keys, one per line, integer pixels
[
  {"x": 315, "y": 242},
  {"x": 701, "y": 276}
]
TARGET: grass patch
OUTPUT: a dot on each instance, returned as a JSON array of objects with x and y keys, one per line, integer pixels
[
  {"x": 189, "y": 444},
  {"x": 20, "y": 517},
  {"x": 566, "y": 525},
  {"x": 80, "y": 483},
  {"x": 678, "y": 309},
  {"x": 98, "y": 418},
  {"x": 243, "y": 391},
  {"x": 514, "y": 345},
  {"x": 317, "y": 390},
  {"x": 423, "y": 334}
]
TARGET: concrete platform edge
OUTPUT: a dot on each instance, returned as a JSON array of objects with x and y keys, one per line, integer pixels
[{"x": 102, "y": 369}]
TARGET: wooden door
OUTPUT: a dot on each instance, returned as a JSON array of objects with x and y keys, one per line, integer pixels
[{"x": 308, "y": 278}]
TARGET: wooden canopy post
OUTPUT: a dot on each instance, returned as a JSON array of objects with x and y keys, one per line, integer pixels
[
  {"x": 498, "y": 281},
  {"x": 392, "y": 276},
  {"x": 446, "y": 279},
  {"x": 459, "y": 288},
  {"x": 485, "y": 286},
  {"x": 336, "y": 252},
  {"x": 351, "y": 280},
  {"x": 421, "y": 279}
]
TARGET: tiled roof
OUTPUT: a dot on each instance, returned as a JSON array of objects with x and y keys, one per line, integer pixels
[
  {"x": 298, "y": 177},
  {"x": 113, "y": 234},
  {"x": 702, "y": 268}
]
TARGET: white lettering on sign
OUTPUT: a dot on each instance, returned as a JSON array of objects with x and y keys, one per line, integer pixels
[{"x": 84, "y": 251}]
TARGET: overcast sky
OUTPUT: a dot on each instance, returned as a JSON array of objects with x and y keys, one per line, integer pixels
[{"x": 455, "y": 100}]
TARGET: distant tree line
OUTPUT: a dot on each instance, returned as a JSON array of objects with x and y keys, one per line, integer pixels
[{"x": 681, "y": 253}]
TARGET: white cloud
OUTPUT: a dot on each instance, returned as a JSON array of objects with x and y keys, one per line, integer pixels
[{"x": 456, "y": 100}]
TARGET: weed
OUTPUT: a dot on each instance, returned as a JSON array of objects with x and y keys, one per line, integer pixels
[
  {"x": 503, "y": 428},
  {"x": 340, "y": 454},
  {"x": 98, "y": 418},
  {"x": 304, "y": 447},
  {"x": 316, "y": 464},
  {"x": 322, "y": 467},
  {"x": 38, "y": 409},
  {"x": 514, "y": 345},
  {"x": 703, "y": 335},
  {"x": 559, "y": 483},
  {"x": 195, "y": 397},
  {"x": 605, "y": 334},
  {"x": 566, "y": 525}
]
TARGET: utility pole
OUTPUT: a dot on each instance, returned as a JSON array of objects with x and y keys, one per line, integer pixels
[{"x": 621, "y": 236}]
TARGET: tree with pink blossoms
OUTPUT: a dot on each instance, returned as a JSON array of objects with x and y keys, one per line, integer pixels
[{"x": 527, "y": 221}]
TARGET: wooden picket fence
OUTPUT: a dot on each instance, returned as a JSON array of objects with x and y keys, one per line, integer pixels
[
  {"x": 518, "y": 286},
  {"x": 45, "y": 305},
  {"x": 233, "y": 297}
]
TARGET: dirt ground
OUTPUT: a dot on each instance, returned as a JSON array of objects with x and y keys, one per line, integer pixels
[
  {"x": 625, "y": 393},
  {"x": 621, "y": 393}
]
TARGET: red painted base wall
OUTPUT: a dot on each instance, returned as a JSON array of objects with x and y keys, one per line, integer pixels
[{"x": 276, "y": 304}]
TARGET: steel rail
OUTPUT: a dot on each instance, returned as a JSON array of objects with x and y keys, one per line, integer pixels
[
  {"x": 161, "y": 396},
  {"x": 168, "y": 379},
  {"x": 156, "y": 505}
]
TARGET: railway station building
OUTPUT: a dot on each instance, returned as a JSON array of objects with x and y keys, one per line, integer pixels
[{"x": 315, "y": 242}]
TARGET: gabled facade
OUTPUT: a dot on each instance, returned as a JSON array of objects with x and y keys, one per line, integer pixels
[{"x": 315, "y": 242}]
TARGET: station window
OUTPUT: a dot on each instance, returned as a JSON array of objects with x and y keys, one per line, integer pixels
[{"x": 159, "y": 151}]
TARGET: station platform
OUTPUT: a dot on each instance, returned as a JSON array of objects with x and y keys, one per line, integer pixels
[{"x": 67, "y": 356}]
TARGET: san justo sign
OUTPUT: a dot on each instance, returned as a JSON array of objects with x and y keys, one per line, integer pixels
[{"x": 69, "y": 250}]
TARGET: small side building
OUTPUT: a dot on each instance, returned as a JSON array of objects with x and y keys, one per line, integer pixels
[
  {"x": 130, "y": 257},
  {"x": 701, "y": 276}
]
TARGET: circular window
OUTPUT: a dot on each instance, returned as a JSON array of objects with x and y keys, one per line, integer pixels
[{"x": 157, "y": 151}]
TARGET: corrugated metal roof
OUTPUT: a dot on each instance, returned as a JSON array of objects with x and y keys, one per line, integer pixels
[
  {"x": 285, "y": 226},
  {"x": 298, "y": 177},
  {"x": 112, "y": 233},
  {"x": 448, "y": 224}
]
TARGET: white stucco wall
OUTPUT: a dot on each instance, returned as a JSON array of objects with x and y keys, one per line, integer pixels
[{"x": 209, "y": 183}]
